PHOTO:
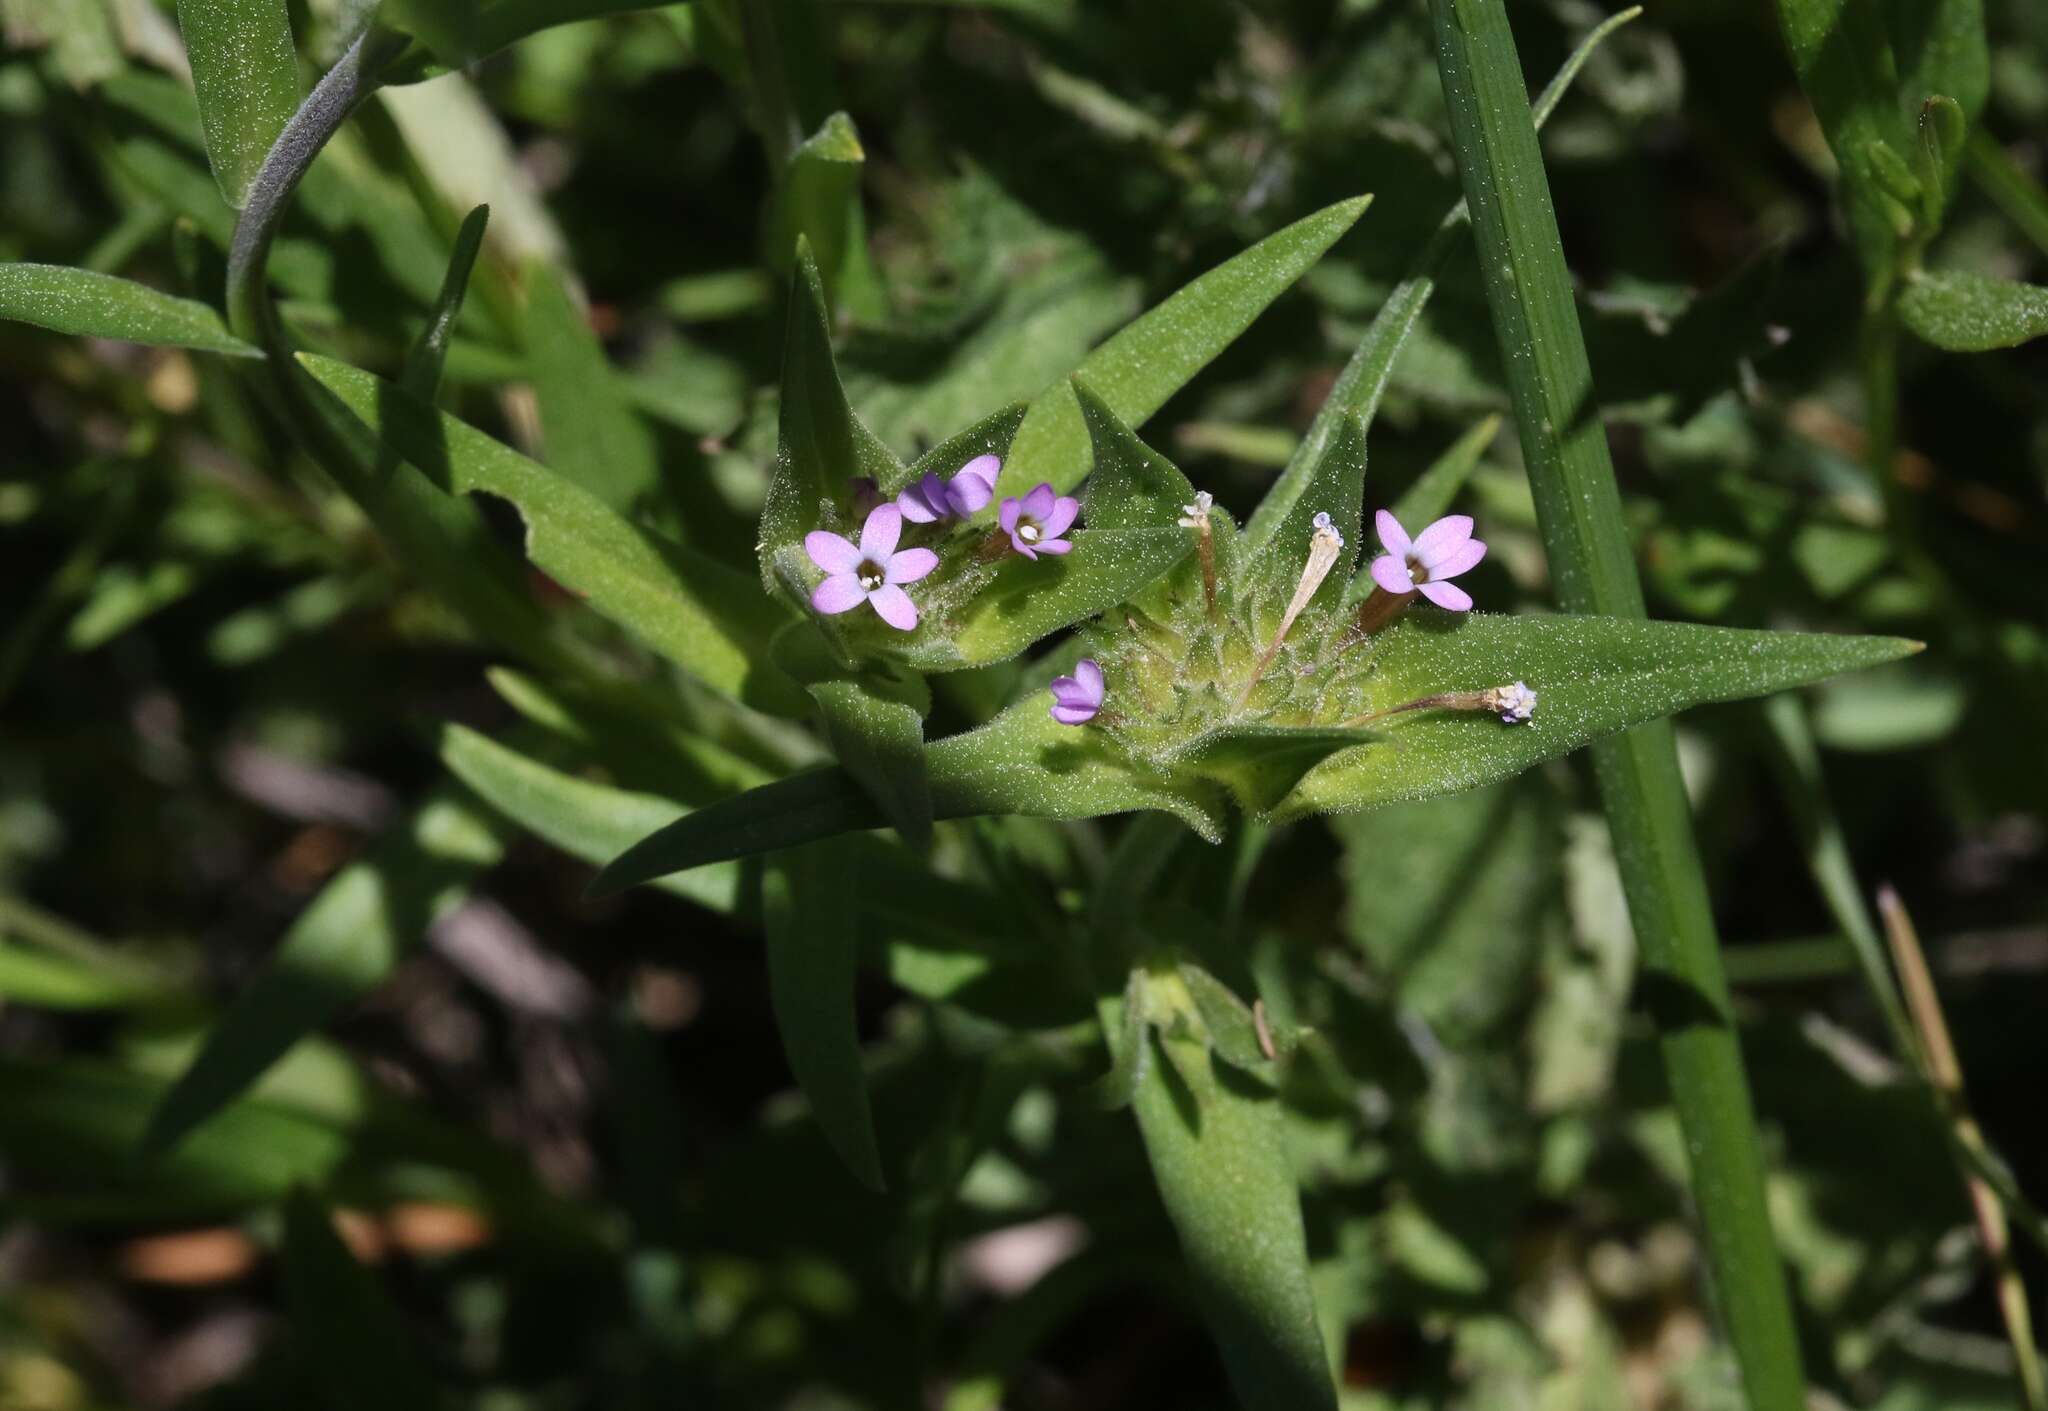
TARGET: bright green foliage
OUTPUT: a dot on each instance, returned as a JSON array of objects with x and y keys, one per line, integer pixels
[
  {"x": 1961, "y": 312},
  {"x": 1155, "y": 354},
  {"x": 591, "y": 434},
  {"x": 246, "y": 74},
  {"x": 100, "y": 306}
]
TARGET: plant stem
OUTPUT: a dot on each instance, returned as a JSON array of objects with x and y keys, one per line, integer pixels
[
  {"x": 1578, "y": 505},
  {"x": 1945, "y": 1074}
]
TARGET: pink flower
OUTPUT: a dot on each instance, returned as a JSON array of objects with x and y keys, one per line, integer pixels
[
  {"x": 1076, "y": 698},
  {"x": 1442, "y": 551},
  {"x": 973, "y": 486},
  {"x": 874, "y": 572},
  {"x": 1036, "y": 522}
]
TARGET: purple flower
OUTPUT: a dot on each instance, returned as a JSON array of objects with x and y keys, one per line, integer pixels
[
  {"x": 973, "y": 486},
  {"x": 1442, "y": 551},
  {"x": 1076, "y": 698},
  {"x": 874, "y": 572},
  {"x": 1515, "y": 704},
  {"x": 1036, "y": 522}
]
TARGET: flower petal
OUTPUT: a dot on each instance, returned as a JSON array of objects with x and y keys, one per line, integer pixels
[
  {"x": 1007, "y": 515},
  {"x": 1073, "y": 715},
  {"x": 909, "y": 565},
  {"x": 894, "y": 607},
  {"x": 1088, "y": 675},
  {"x": 966, "y": 493},
  {"x": 1025, "y": 549},
  {"x": 985, "y": 467},
  {"x": 923, "y": 502},
  {"x": 879, "y": 535},
  {"x": 1448, "y": 595},
  {"x": 1067, "y": 691},
  {"x": 839, "y": 593},
  {"x": 1442, "y": 538},
  {"x": 1054, "y": 546},
  {"x": 1392, "y": 536},
  {"x": 1064, "y": 511},
  {"x": 1038, "y": 504},
  {"x": 832, "y": 552},
  {"x": 1391, "y": 573},
  {"x": 1458, "y": 560}
]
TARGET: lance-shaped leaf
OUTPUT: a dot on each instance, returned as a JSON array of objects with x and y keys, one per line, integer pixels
[
  {"x": 91, "y": 305},
  {"x": 339, "y": 949},
  {"x": 1021, "y": 762},
  {"x": 584, "y": 819},
  {"x": 345, "y": 1326},
  {"x": 807, "y": 914},
  {"x": 1160, "y": 351},
  {"x": 429, "y": 352},
  {"x": 1261, "y": 764},
  {"x": 1592, "y": 676},
  {"x": 1371, "y": 367},
  {"x": 823, "y": 446},
  {"x": 246, "y": 75},
  {"x": 819, "y": 201},
  {"x": 702, "y": 615},
  {"x": 1336, "y": 487},
  {"x": 1227, "y": 1021},
  {"x": 1218, "y": 1149},
  {"x": 880, "y": 742},
  {"x": 1973, "y": 313},
  {"x": 592, "y": 434}
]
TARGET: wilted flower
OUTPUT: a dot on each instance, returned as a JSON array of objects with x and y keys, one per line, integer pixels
[
  {"x": 1442, "y": 551},
  {"x": 1076, "y": 698},
  {"x": 874, "y": 571},
  {"x": 1196, "y": 515},
  {"x": 1036, "y": 522},
  {"x": 1514, "y": 704},
  {"x": 971, "y": 487}
]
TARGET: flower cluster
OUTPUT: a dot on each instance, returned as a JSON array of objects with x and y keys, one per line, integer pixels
[{"x": 875, "y": 570}]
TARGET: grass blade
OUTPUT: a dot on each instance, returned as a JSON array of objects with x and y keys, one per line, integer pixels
[{"x": 1529, "y": 291}]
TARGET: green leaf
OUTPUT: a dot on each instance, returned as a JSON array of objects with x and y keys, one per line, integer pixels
[
  {"x": 991, "y": 436},
  {"x": 1156, "y": 354},
  {"x": 1226, "y": 1020},
  {"x": 84, "y": 44},
  {"x": 705, "y": 617},
  {"x": 1371, "y": 367},
  {"x": 1938, "y": 160},
  {"x": 592, "y": 434},
  {"x": 1335, "y": 487},
  {"x": 880, "y": 742},
  {"x": 246, "y": 75},
  {"x": 1592, "y": 676},
  {"x": 339, "y": 949},
  {"x": 93, "y": 305},
  {"x": 457, "y": 33},
  {"x": 592, "y": 821},
  {"x": 346, "y": 1330},
  {"x": 42, "y": 979},
  {"x": 808, "y": 918},
  {"x": 1973, "y": 313},
  {"x": 1261, "y": 764},
  {"x": 1942, "y": 49},
  {"x": 429, "y": 352},
  {"x": 1021, "y": 762},
  {"x": 81, "y": 1122},
  {"x": 819, "y": 202},
  {"x": 823, "y": 445},
  {"x": 1218, "y": 1150}
]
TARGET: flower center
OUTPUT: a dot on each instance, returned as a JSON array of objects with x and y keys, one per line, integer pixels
[
  {"x": 1027, "y": 531},
  {"x": 871, "y": 575},
  {"x": 1416, "y": 572}
]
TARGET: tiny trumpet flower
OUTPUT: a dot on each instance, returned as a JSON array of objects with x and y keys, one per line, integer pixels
[
  {"x": 1076, "y": 698},
  {"x": 873, "y": 572},
  {"x": 1196, "y": 517},
  {"x": 1035, "y": 522},
  {"x": 932, "y": 499},
  {"x": 1440, "y": 552},
  {"x": 1323, "y": 547},
  {"x": 1514, "y": 703}
]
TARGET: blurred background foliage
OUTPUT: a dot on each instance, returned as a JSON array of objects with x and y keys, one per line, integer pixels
[{"x": 560, "y": 1133}]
